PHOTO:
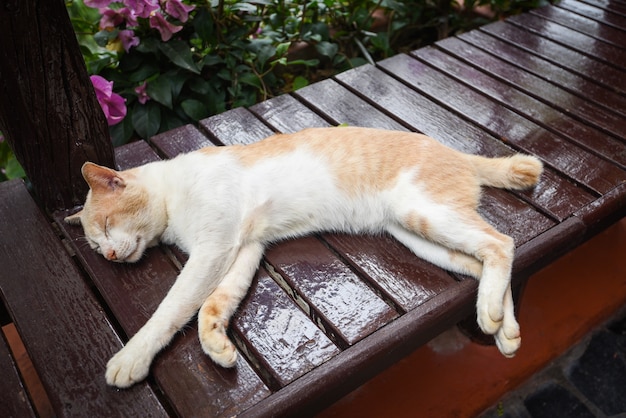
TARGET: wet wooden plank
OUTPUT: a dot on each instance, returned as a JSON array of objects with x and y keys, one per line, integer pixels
[
  {"x": 407, "y": 280},
  {"x": 608, "y": 5},
  {"x": 344, "y": 107},
  {"x": 585, "y": 44},
  {"x": 576, "y": 119},
  {"x": 583, "y": 65},
  {"x": 349, "y": 369},
  {"x": 594, "y": 12},
  {"x": 596, "y": 174},
  {"x": 237, "y": 126},
  {"x": 273, "y": 112},
  {"x": 348, "y": 309},
  {"x": 180, "y": 140},
  {"x": 553, "y": 194},
  {"x": 581, "y": 22},
  {"x": 564, "y": 79},
  {"x": 14, "y": 401},
  {"x": 69, "y": 347},
  {"x": 133, "y": 291},
  {"x": 285, "y": 341}
]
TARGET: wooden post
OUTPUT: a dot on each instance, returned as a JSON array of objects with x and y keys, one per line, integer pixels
[{"x": 49, "y": 113}]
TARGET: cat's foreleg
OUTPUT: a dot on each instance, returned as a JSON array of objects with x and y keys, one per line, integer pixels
[
  {"x": 216, "y": 311},
  {"x": 195, "y": 282}
]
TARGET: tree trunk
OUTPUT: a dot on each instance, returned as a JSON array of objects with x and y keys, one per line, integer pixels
[{"x": 49, "y": 113}]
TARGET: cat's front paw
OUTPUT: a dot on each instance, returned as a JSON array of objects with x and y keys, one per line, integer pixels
[
  {"x": 127, "y": 367},
  {"x": 215, "y": 344}
]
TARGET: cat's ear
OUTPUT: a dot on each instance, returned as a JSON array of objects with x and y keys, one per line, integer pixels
[
  {"x": 101, "y": 178},
  {"x": 74, "y": 219}
]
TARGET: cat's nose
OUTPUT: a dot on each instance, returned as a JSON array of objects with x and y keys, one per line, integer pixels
[{"x": 110, "y": 255}]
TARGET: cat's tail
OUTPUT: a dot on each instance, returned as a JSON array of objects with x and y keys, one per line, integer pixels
[{"x": 516, "y": 172}]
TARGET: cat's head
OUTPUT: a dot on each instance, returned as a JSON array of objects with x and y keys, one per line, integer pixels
[{"x": 118, "y": 218}]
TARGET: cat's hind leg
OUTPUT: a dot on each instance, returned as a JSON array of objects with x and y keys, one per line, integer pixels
[
  {"x": 217, "y": 309},
  {"x": 437, "y": 254},
  {"x": 465, "y": 231},
  {"x": 508, "y": 339}
]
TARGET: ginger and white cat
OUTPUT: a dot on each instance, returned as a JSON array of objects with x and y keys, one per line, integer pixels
[{"x": 224, "y": 205}]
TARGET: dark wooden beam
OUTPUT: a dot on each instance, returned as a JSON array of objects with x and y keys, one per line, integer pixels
[{"x": 49, "y": 113}]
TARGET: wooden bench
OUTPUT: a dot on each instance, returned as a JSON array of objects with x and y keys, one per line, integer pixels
[{"x": 325, "y": 313}]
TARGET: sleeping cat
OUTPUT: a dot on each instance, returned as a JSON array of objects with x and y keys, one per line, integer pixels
[{"x": 224, "y": 205}]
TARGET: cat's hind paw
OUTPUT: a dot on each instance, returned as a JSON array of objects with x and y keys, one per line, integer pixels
[
  {"x": 215, "y": 344},
  {"x": 125, "y": 369},
  {"x": 508, "y": 344},
  {"x": 488, "y": 321}
]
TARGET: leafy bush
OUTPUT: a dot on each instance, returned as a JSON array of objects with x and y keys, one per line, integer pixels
[{"x": 176, "y": 63}]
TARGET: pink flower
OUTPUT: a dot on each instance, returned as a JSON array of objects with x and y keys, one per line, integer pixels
[
  {"x": 142, "y": 94},
  {"x": 110, "y": 18},
  {"x": 97, "y": 4},
  {"x": 157, "y": 21},
  {"x": 112, "y": 104},
  {"x": 128, "y": 39},
  {"x": 178, "y": 10},
  {"x": 142, "y": 8}
]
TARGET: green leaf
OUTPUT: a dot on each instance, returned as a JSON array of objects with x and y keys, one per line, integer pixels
[
  {"x": 122, "y": 132},
  {"x": 180, "y": 54},
  {"x": 13, "y": 169},
  {"x": 327, "y": 49},
  {"x": 251, "y": 79},
  {"x": 203, "y": 24},
  {"x": 195, "y": 109},
  {"x": 300, "y": 82},
  {"x": 160, "y": 89},
  {"x": 146, "y": 119},
  {"x": 199, "y": 85}
]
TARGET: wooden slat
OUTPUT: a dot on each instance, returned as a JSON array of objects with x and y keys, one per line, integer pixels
[
  {"x": 349, "y": 310},
  {"x": 273, "y": 112},
  {"x": 596, "y": 174},
  {"x": 564, "y": 79},
  {"x": 553, "y": 194},
  {"x": 285, "y": 341},
  {"x": 69, "y": 347},
  {"x": 594, "y": 12},
  {"x": 599, "y": 50},
  {"x": 408, "y": 281},
  {"x": 609, "y": 5},
  {"x": 133, "y": 292},
  {"x": 180, "y": 140},
  {"x": 344, "y": 372},
  {"x": 582, "y": 23},
  {"x": 14, "y": 400},
  {"x": 344, "y": 107},
  {"x": 576, "y": 119},
  {"x": 237, "y": 126},
  {"x": 583, "y": 65}
]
